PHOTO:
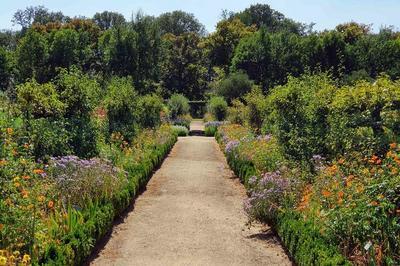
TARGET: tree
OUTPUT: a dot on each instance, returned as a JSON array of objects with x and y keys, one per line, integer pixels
[
  {"x": 183, "y": 68},
  {"x": 263, "y": 15},
  {"x": 233, "y": 86},
  {"x": 32, "y": 57},
  {"x": 352, "y": 31},
  {"x": 222, "y": 43},
  {"x": 5, "y": 69},
  {"x": 107, "y": 20},
  {"x": 37, "y": 14},
  {"x": 179, "y": 22},
  {"x": 64, "y": 48}
]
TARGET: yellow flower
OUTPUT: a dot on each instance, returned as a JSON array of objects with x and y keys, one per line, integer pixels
[
  {"x": 26, "y": 258},
  {"x": 17, "y": 184},
  {"x": 41, "y": 198},
  {"x": 3, "y": 261}
]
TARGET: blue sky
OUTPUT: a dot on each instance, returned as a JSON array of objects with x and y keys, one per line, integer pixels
[{"x": 325, "y": 13}]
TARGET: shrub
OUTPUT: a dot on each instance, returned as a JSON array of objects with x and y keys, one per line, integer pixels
[
  {"x": 256, "y": 108},
  {"x": 361, "y": 117},
  {"x": 217, "y": 106},
  {"x": 234, "y": 86},
  {"x": 178, "y": 105},
  {"x": 122, "y": 108},
  {"x": 298, "y": 116},
  {"x": 210, "y": 128},
  {"x": 151, "y": 106},
  {"x": 181, "y": 131},
  {"x": 182, "y": 120},
  {"x": 237, "y": 113},
  {"x": 39, "y": 100}
]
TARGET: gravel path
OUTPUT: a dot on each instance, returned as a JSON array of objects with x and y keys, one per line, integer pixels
[{"x": 191, "y": 214}]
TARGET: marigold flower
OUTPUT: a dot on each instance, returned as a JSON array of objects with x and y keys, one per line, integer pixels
[
  {"x": 25, "y": 194},
  {"x": 38, "y": 171},
  {"x": 9, "y": 130},
  {"x": 50, "y": 204},
  {"x": 326, "y": 193},
  {"x": 374, "y": 203},
  {"x": 26, "y": 177}
]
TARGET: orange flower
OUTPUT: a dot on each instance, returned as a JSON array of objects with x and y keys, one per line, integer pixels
[
  {"x": 17, "y": 184},
  {"x": 25, "y": 194},
  {"x": 340, "y": 194},
  {"x": 3, "y": 162},
  {"x": 26, "y": 177},
  {"x": 341, "y": 161},
  {"x": 326, "y": 193},
  {"x": 38, "y": 171},
  {"x": 1, "y": 226},
  {"x": 394, "y": 171},
  {"x": 50, "y": 204},
  {"x": 9, "y": 130},
  {"x": 374, "y": 203},
  {"x": 393, "y": 145}
]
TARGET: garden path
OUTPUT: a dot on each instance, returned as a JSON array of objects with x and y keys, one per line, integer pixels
[{"x": 191, "y": 214}]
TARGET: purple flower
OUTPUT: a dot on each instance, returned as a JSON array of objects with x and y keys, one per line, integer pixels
[{"x": 231, "y": 146}]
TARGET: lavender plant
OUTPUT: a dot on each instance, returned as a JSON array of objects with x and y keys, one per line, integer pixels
[{"x": 80, "y": 181}]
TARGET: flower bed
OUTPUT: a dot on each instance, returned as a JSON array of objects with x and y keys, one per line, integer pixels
[
  {"x": 273, "y": 184},
  {"x": 54, "y": 214},
  {"x": 211, "y": 127}
]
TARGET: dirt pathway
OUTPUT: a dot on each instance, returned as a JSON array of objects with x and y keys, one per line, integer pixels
[{"x": 191, "y": 214}]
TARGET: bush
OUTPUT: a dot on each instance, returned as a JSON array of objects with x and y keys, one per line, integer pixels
[
  {"x": 210, "y": 128},
  {"x": 151, "y": 106},
  {"x": 234, "y": 86},
  {"x": 122, "y": 107},
  {"x": 181, "y": 131},
  {"x": 182, "y": 120},
  {"x": 298, "y": 116},
  {"x": 217, "y": 106},
  {"x": 256, "y": 109},
  {"x": 178, "y": 105},
  {"x": 237, "y": 113},
  {"x": 361, "y": 117}
]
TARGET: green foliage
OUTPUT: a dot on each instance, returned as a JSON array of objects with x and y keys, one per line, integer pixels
[
  {"x": 39, "y": 100},
  {"x": 256, "y": 108},
  {"x": 179, "y": 22},
  {"x": 183, "y": 66},
  {"x": 106, "y": 20},
  {"x": 151, "y": 106},
  {"x": 217, "y": 106},
  {"x": 298, "y": 115},
  {"x": 234, "y": 86},
  {"x": 178, "y": 105},
  {"x": 361, "y": 116},
  {"x": 122, "y": 107},
  {"x": 237, "y": 113},
  {"x": 64, "y": 46},
  {"x": 5, "y": 69},
  {"x": 181, "y": 131},
  {"x": 32, "y": 56}
]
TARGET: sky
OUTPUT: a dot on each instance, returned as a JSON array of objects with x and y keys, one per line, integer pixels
[{"x": 325, "y": 13}]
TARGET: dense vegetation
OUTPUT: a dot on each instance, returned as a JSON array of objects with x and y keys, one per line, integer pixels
[{"x": 315, "y": 122}]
